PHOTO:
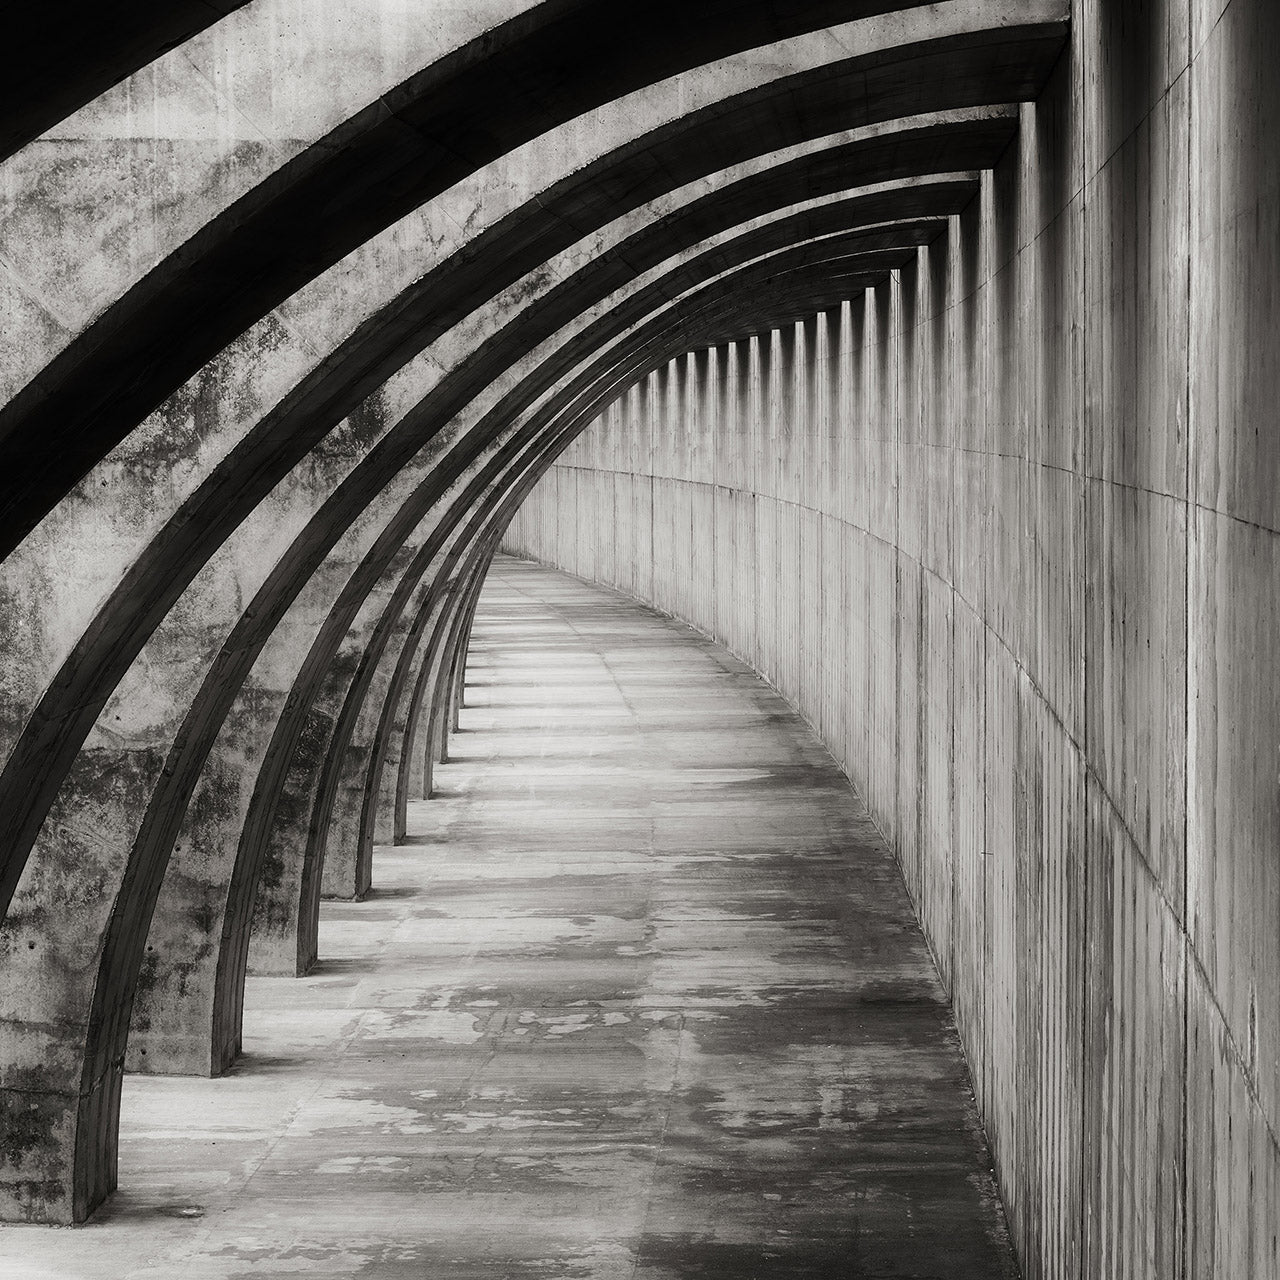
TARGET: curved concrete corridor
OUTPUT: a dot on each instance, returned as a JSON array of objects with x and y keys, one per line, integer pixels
[{"x": 642, "y": 996}]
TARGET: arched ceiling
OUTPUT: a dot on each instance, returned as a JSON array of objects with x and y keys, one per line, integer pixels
[
  {"x": 283, "y": 449},
  {"x": 448, "y": 122}
]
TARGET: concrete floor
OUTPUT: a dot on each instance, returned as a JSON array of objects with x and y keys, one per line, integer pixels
[{"x": 642, "y": 997}]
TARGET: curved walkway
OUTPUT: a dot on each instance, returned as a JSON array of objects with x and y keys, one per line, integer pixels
[{"x": 642, "y": 998}]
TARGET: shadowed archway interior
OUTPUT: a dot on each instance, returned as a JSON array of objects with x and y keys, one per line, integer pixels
[{"x": 919, "y": 357}]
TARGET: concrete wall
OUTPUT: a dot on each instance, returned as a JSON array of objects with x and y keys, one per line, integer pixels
[
  {"x": 257, "y": 477},
  {"x": 1005, "y": 530}
]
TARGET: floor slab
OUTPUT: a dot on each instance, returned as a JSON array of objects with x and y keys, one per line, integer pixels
[{"x": 642, "y": 997}]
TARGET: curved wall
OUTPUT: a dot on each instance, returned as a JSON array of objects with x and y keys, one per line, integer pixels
[{"x": 1004, "y": 529}]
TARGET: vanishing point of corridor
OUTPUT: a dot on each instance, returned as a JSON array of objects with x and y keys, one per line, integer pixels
[{"x": 642, "y": 996}]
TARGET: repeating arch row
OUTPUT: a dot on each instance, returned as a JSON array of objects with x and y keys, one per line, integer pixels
[{"x": 261, "y": 486}]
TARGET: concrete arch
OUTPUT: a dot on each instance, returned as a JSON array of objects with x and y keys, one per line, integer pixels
[
  {"x": 991, "y": 436},
  {"x": 434, "y": 130},
  {"x": 235, "y": 492},
  {"x": 207, "y": 516},
  {"x": 440, "y": 707},
  {"x": 94, "y": 1154},
  {"x": 130, "y": 359},
  {"x": 531, "y": 451},
  {"x": 314, "y": 831},
  {"x": 125, "y": 936},
  {"x": 126, "y": 947},
  {"x": 43, "y": 80}
]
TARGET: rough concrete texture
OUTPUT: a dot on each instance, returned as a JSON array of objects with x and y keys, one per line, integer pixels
[
  {"x": 642, "y": 996},
  {"x": 1002, "y": 527},
  {"x": 1005, "y": 531},
  {"x": 186, "y": 731}
]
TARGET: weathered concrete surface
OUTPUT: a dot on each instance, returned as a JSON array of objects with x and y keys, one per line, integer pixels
[
  {"x": 1006, "y": 533},
  {"x": 109, "y": 192},
  {"x": 92, "y": 989},
  {"x": 433, "y": 130},
  {"x": 643, "y": 996},
  {"x": 116, "y": 570},
  {"x": 110, "y": 983}
]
